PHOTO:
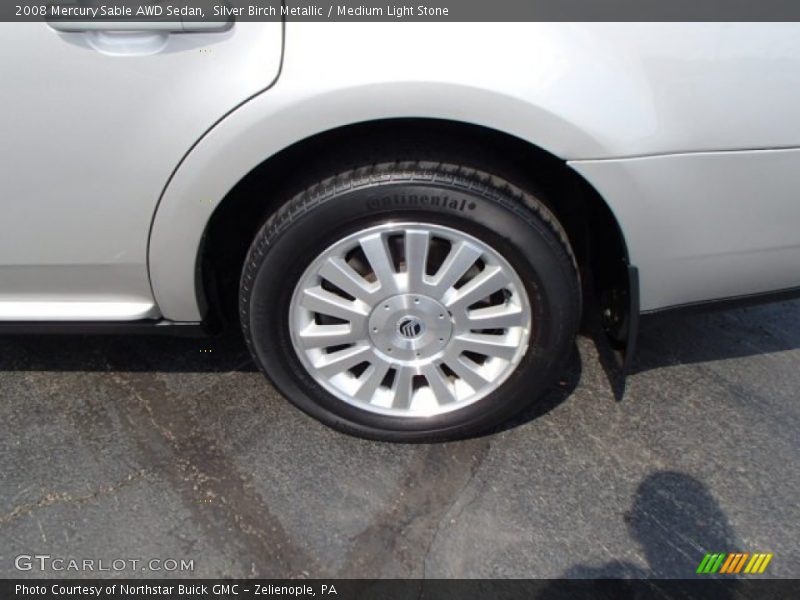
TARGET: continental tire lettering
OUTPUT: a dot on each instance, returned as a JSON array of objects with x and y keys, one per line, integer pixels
[{"x": 424, "y": 200}]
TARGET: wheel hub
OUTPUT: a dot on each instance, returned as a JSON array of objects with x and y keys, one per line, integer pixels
[{"x": 410, "y": 328}]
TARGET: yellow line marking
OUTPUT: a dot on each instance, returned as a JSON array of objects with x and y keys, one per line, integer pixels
[
  {"x": 765, "y": 563},
  {"x": 752, "y": 562},
  {"x": 758, "y": 563}
]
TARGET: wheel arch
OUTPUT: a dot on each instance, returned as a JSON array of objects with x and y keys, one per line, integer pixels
[
  {"x": 593, "y": 230},
  {"x": 204, "y": 217},
  {"x": 295, "y": 111}
]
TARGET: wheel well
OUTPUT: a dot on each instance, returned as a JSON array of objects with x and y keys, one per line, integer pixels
[{"x": 592, "y": 229}]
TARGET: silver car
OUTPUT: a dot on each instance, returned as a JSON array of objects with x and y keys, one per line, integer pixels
[{"x": 408, "y": 221}]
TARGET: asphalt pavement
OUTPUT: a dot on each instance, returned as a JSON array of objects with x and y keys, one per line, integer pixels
[{"x": 120, "y": 448}]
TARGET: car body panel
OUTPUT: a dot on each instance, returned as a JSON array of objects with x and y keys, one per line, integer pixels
[
  {"x": 706, "y": 225},
  {"x": 581, "y": 91},
  {"x": 132, "y": 129},
  {"x": 94, "y": 127}
]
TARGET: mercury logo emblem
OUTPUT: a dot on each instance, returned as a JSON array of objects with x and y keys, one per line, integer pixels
[{"x": 410, "y": 328}]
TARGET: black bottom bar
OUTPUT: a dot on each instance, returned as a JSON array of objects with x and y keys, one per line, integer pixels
[{"x": 365, "y": 589}]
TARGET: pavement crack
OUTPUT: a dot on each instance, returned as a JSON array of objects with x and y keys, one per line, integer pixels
[
  {"x": 55, "y": 498},
  {"x": 480, "y": 457}
]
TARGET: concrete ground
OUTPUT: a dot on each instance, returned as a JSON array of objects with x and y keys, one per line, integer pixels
[{"x": 139, "y": 448}]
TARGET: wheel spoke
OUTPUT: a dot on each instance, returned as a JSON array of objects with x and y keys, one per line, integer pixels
[
  {"x": 416, "y": 248},
  {"x": 377, "y": 253},
  {"x": 496, "y": 317},
  {"x": 461, "y": 257},
  {"x": 323, "y": 336},
  {"x": 341, "y": 360},
  {"x": 403, "y": 387},
  {"x": 487, "y": 345},
  {"x": 439, "y": 384},
  {"x": 342, "y": 275},
  {"x": 488, "y": 281},
  {"x": 468, "y": 371},
  {"x": 375, "y": 330},
  {"x": 371, "y": 380},
  {"x": 324, "y": 302}
]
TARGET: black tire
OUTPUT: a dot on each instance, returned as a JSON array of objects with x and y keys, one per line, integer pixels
[{"x": 510, "y": 220}]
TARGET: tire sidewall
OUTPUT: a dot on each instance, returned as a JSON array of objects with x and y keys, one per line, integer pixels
[{"x": 525, "y": 241}]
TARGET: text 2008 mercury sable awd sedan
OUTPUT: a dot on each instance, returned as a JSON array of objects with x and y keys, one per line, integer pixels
[{"x": 407, "y": 220}]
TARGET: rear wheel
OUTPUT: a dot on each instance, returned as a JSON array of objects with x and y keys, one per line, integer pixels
[{"x": 411, "y": 301}]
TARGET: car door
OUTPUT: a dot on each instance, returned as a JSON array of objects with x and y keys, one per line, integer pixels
[{"x": 94, "y": 124}]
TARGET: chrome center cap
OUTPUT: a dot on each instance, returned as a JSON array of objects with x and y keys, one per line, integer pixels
[{"x": 410, "y": 327}]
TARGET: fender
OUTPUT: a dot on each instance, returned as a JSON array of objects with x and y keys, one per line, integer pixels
[
  {"x": 252, "y": 134},
  {"x": 534, "y": 97},
  {"x": 581, "y": 91}
]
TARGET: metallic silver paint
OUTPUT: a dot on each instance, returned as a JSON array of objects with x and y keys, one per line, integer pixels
[
  {"x": 579, "y": 90},
  {"x": 95, "y": 124},
  {"x": 706, "y": 225}
]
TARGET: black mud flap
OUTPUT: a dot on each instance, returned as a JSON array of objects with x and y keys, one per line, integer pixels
[
  {"x": 634, "y": 317},
  {"x": 614, "y": 327}
]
